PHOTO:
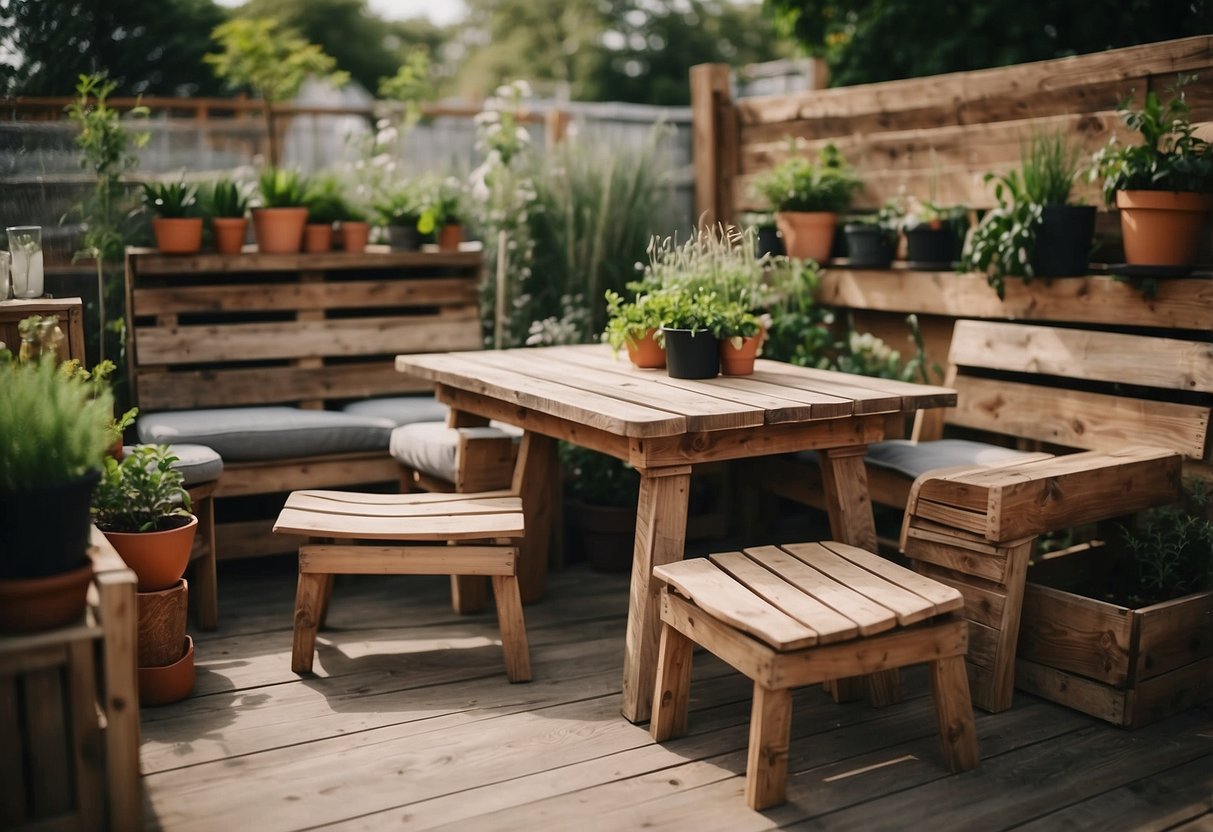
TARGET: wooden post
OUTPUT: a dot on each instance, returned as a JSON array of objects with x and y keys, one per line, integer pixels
[
  {"x": 714, "y": 143},
  {"x": 555, "y": 126}
]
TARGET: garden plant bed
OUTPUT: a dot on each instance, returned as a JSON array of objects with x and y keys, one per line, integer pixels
[{"x": 1130, "y": 667}]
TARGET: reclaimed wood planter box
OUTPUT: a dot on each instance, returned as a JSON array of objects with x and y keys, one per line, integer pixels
[{"x": 1126, "y": 666}]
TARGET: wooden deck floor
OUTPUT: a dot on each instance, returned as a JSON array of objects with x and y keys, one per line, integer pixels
[{"x": 409, "y": 723}]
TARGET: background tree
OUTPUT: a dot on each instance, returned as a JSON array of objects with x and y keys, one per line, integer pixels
[
  {"x": 148, "y": 49},
  {"x": 880, "y": 40}
]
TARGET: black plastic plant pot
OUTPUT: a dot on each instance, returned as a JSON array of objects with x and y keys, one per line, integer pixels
[
  {"x": 932, "y": 248},
  {"x": 691, "y": 354},
  {"x": 868, "y": 247},
  {"x": 1063, "y": 241},
  {"x": 45, "y": 531},
  {"x": 404, "y": 237},
  {"x": 768, "y": 241}
]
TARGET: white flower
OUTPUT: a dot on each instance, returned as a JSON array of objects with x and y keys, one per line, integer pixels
[
  {"x": 487, "y": 117},
  {"x": 521, "y": 134},
  {"x": 522, "y": 89},
  {"x": 386, "y": 135},
  {"x": 503, "y": 91},
  {"x": 383, "y": 124}
]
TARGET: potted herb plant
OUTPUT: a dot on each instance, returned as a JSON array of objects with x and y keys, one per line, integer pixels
[
  {"x": 1162, "y": 186},
  {"x": 441, "y": 213},
  {"x": 688, "y": 331},
  {"x": 353, "y": 229},
  {"x": 807, "y": 197},
  {"x": 934, "y": 234},
  {"x": 1034, "y": 230},
  {"x": 175, "y": 220},
  {"x": 740, "y": 332},
  {"x": 278, "y": 222},
  {"x": 633, "y": 325},
  {"x": 229, "y": 205},
  {"x": 399, "y": 211},
  {"x": 872, "y": 238},
  {"x": 325, "y": 206}
]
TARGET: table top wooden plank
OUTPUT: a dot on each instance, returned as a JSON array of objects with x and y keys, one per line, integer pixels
[
  {"x": 914, "y": 395},
  {"x": 583, "y": 407},
  {"x": 866, "y": 400},
  {"x": 704, "y": 411}
]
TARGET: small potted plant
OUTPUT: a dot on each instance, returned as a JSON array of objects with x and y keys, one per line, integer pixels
[
  {"x": 740, "y": 333},
  {"x": 229, "y": 205},
  {"x": 353, "y": 228},
  {"x": 399, "y": 211},
  {"x": 55, "y": 428},
  {"x": 807, "y": 197},
  {"x": 1034, "y": 230},
  {"x": 278, "y": 222},
  {"x": 1162, "y": 186},
  {"x": 633, "y": 325},
  {"x": 872, "y": 238},
  {"x": 325, "y": 207},
  {"x": 934, "y": 234},
  {"x": 688, "y": 331},
  {"x": 441, "y": 213},
  {"x": 175, "y": 221}
]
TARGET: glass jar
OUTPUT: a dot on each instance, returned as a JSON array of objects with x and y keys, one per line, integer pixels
[{"x": 25, "y": 247}]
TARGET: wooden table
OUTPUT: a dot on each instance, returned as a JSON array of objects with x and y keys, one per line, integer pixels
[{"x": 664, "y": 426}]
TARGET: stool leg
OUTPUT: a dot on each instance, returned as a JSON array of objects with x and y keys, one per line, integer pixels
[
  {"x": 308, "y": 601},
  {"x": 205, "y": 588},
  {"x": 954, "y": 709},
  {"x": 513, "y": 628},
  {"x": 766, "y": 778},
  {"x": 326, "y": 597},
  {"x": 673, "y": 691}
]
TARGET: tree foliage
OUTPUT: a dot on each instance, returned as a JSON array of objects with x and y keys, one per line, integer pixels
[{"x": 880, "y": 40}]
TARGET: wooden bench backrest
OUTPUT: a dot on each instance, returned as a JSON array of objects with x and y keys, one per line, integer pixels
[
  {"x": 251, "y": 329},
  {"x": 1083, "y": 389}
]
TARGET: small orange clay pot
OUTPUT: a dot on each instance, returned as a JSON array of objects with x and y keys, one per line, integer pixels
[
  {"x": 157, "y": 558},
  {"x": 645, "y": 353},
  {"x": 1162, "y": 228},
  {"x": 808, "y": 235},
  {"x": 450, "y": 237},
  {"x": 739, "y": 361},
  {"x": 279, "y": 230},
  {"x": 317, "y": 238},
  {"x": 181, "y": 235},
  {"x": 31, "y": 604},
  {"x": 354, "y": 235},
  {"x": 229, "y": 234},
  {"x": 162, "y": 624},
  {"x": 170, "y": 683}
]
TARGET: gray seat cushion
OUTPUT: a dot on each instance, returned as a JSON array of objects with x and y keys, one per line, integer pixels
[
  {"x": 430, "y": 447},
  {"x": 915, "y": 458},
  {"x": 197, "y": 463},
  {"x": 401, "y": 410},
  {"x": 253, "y": 433}
]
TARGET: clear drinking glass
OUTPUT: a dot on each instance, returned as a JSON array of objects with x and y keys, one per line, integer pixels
[
  {"x": 25, "y": 247},
  {"x": 6, "y": 283}
]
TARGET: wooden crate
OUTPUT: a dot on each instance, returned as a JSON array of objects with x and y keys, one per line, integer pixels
[
  {"x": 1127, "y": 666},
  {"x": 69, "y": 714}
]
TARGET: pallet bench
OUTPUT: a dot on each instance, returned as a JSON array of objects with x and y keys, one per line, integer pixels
[{"x": 799, "y": 614}]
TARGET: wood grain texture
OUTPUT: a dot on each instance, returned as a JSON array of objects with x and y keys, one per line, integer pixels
[
  {"x": 513, "y": 628},
  {"x": 673, "y": 692},
  {"x": 407, "y": 560},
  {"x": 152, "y": 263},
  {"x": 289, "y": 296},
  {"x": 767, "y": 761}
]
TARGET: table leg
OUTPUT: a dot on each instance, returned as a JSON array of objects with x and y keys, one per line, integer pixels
[
  {"x": 661, "y": 523},
  {"x": 536, "y": 477}
]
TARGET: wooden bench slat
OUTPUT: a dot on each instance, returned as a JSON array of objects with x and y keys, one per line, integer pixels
[
  {"x": 942, "y": 598},
  {"x": 290, "y": 296},
  {"x": 440, "y": 527},
  {"x": 908, "y": 606},
  {"x": 718, "y": 594},
  {"x": 828, "y": 624},
  {"x": 869, "y": 616},
  {"x": 363, "y": 498},
  {"x": 303, "y": 501}
]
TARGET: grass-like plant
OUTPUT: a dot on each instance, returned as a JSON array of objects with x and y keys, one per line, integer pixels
[
  {"x": 282, "y": 188},
  {"x": 802, "y": 184},
  {"x": 228, "y": 200},
  {"x": 171, "y": 200},
  {"x": 142, "y": 493}
]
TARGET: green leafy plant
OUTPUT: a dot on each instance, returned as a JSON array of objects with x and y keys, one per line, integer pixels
[
  {"x": 801, "y": 184},
  {"x": 734, "y": 322},
  {"x": 54, "y": 427},
  {"x": 441, "y": 204},
  {"x": 410, "y": 86},
  {"x": 171, "y": 200},
  {"x": 282, "y": 188},
  {"x": 1172, "y": 548},
  {"x": 400, "y": 205},
  {"x": 142, "y": 493},
  {"x": 325, "y": 201},
  {"x": 1003, "y": 242},
  {"x": 228, "y": 199},
  {"x": 629, "y": 321},
  {"x": 685, "y": 307},
  {"x": 1171, "y": 156},
  {"x": 98, "y": 379}
]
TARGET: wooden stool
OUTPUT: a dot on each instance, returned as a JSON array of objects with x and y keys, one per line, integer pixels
[
  {"x": 800, "y": 614},
  {"x": 487, "y": 526}
]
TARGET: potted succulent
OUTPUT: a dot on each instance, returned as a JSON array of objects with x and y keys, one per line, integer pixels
[
  {"x": 807, "y": 197},
  {"x": 441, "y": 213},
  {"x": 325, "y": 207},
  {"x": 934, "y": 234},
  {"x": 633, "y": 325},
  {"x": 1162, "y": 186},
  {"x": 872, "y": 238},
  {"x": 278, "y": 222},
  {"x": 229, "y": 205},
  {"x": 55, "y": 428},
  {"x": 1034, "y": 230},
  {"x": 740, "y": 332},
  {"x": 175, "y": 221},
  {"x": 603, "y": 492},
  {"x": 399, "y": 211}
]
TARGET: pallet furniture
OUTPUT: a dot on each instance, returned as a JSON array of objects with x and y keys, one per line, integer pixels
[
  {"x": 663, "y": 427},
  {"x": 312, "y": 331},
  {"x": 69, "y": 714},
  {"x": 798, "y": 614},
  {"x": 70, "y": 312},
  {"x": 460, "y": 534}
]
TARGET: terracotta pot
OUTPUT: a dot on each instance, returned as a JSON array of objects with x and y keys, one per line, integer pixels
[
  {"x": 808, "y": 235},
  {"x": 450, "y": 237},
  {"x": 229, "y": 234},
  {"x": 31, "y": 604},
  {"x": 170, "y": 683},
  {"x": 157, "y": 558},
  {"x": 354, "y": 235},
  {"x": 279, "y": 230},
  {"x": 645, "y": 353},
  {"x": 739, "y": 361},
  {"x": 1162, "y": 228},
  {"x": 181, "y": 235},
  {"x": 161, "y": 631},
  {"x": 317, "y": 238}
]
